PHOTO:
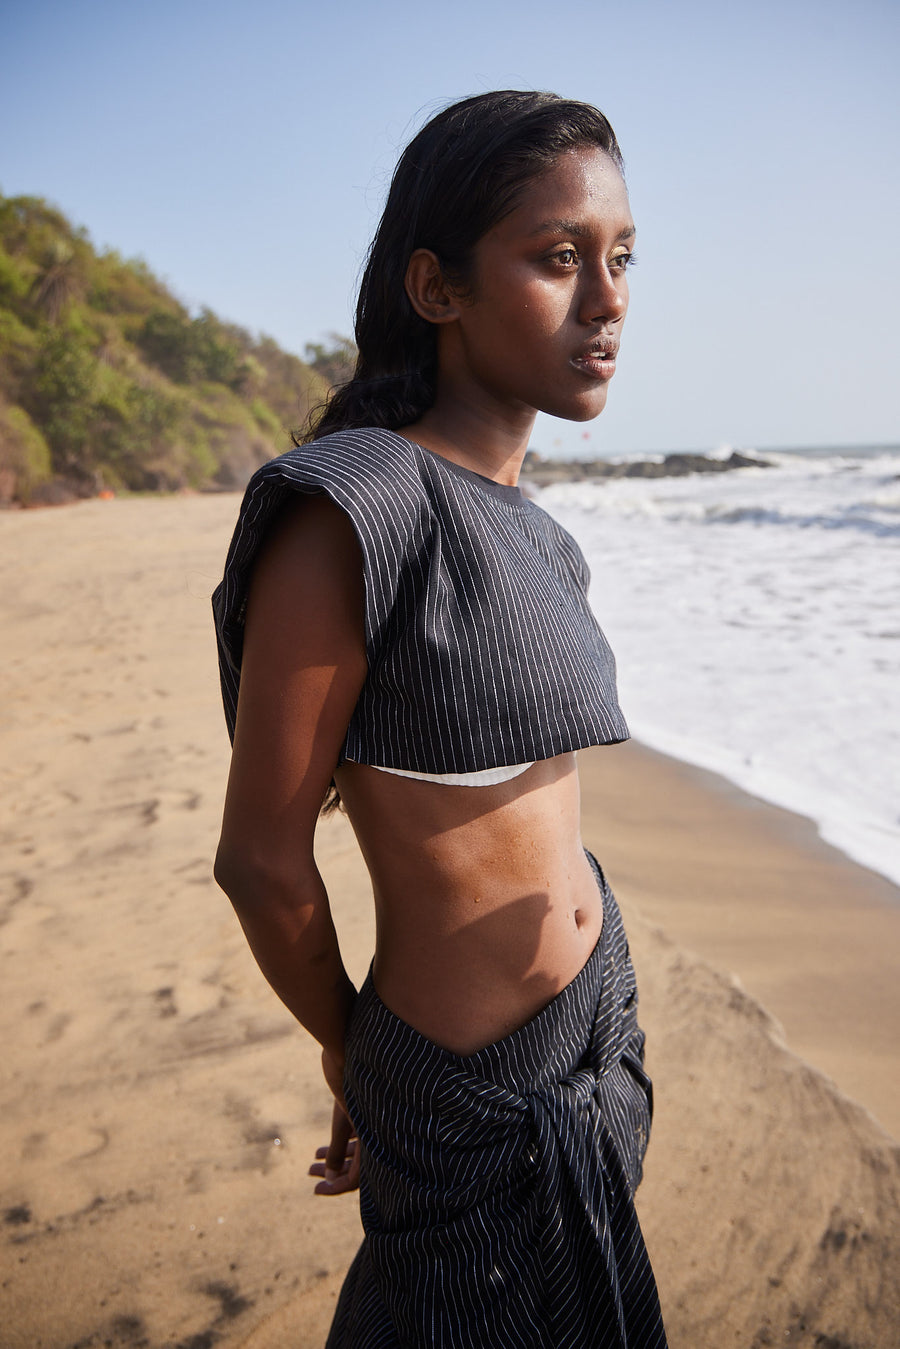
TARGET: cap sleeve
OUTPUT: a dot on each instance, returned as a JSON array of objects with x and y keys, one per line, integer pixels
[{"x": 374, "y": 478}]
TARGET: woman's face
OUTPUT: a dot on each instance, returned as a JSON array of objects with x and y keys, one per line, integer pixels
[{"x": 541, "y": 327}]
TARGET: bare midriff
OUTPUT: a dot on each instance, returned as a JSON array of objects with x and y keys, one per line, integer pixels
[{"x": 486, "y": 905}]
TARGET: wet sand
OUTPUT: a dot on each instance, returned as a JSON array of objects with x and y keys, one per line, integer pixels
[{"x": 159, "y": 1108}]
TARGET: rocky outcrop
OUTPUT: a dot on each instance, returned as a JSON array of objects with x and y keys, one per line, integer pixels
[{"x": 544, "y": 472}]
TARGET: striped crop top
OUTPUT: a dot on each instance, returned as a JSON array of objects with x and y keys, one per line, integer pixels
[{"x": 481, "y": 645}]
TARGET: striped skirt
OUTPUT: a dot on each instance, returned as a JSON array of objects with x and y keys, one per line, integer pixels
[{"x": 497, "y": 1189}]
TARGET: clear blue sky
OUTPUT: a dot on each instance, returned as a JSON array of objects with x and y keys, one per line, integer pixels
[{"x": 244, "y": 151}]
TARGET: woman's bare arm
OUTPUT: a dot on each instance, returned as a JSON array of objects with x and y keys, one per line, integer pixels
[{"x": 304, "y": 665}]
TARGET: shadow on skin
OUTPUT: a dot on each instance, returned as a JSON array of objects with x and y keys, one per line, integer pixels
[
  {"x": 514, "y": 930},
  {"x": 433, "y": 808}
]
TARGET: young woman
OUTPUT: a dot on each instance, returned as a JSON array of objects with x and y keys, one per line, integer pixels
[{"x": 398, "y": 620}]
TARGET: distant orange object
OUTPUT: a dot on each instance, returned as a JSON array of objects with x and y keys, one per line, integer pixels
[{"x": 107, "y": 495}]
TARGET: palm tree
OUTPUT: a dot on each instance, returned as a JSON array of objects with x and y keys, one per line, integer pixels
[{"x": 58, "y": 282}]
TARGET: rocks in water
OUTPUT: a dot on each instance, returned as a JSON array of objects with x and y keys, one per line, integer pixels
[{"x": 543, "y": 472}]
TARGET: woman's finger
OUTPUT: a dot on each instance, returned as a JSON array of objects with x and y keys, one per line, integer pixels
[{"x": 351, "y": 1148}]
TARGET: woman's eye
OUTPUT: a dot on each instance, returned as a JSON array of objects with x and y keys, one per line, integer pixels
[
  {"x": 620, "y": 261},
  {"x": 567, "y": 257}
]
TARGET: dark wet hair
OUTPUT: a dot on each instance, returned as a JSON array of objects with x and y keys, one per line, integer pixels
[{"x": 456, "y": 179}]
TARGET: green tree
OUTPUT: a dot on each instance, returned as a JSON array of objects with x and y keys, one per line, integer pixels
[
  {"x": 135, "y": 430},
  {"x": 58, "y": 282},
  {"x": 62, "y": 397},
  {"x": 216, "y": 355},
  {"x": 335, "y": 360},
  {"x": 190, "y": 351},
  {"x": 24, "y": 455}
]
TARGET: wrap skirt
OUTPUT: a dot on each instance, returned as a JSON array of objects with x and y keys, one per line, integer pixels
[{"x": 497, "y": 1189}]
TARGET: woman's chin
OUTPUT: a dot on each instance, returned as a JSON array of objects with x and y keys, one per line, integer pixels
[{"x": 584, "y": 410}]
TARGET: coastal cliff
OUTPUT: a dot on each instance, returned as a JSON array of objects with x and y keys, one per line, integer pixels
[{"x": 109, "y": 383}]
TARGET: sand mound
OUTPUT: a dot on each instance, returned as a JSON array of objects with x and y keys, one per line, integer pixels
[{"x": 771, "y": 1202}]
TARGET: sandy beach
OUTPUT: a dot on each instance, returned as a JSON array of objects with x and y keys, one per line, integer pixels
[{"x": 159, "y": 1108}]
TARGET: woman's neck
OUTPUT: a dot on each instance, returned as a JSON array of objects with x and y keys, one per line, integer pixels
[{"x": 474, "y": 440}]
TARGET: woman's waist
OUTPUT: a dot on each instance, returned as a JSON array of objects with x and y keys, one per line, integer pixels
[{"x": 468, "y": 957}]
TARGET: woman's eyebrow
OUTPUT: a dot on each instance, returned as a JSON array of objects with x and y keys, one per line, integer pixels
[{"x": 576, "y": 230}]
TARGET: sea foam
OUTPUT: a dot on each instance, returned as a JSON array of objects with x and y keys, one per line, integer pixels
[{"x": 755, "y": 616}]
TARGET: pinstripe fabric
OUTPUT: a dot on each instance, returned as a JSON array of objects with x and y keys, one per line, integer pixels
[
  {"x": 497, "y": 1189},
  {"x": 481, "y": 645}
]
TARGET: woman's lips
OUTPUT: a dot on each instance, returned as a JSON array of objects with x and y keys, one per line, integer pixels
[{"x": 597, "y": 365}]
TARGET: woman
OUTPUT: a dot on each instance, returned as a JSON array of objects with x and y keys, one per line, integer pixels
[{"x": 402, "y": 623}]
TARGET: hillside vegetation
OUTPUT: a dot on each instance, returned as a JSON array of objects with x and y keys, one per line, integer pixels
[{"x": 108, "y": 383}]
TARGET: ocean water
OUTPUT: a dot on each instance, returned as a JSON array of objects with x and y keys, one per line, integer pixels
[{"x": 755, "y": 617}]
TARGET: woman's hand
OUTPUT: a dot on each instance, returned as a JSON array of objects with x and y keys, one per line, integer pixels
[{"x": 338, "y": 1164}]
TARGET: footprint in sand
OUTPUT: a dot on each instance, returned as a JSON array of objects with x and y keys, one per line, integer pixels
[
  {"x": 153, "y": 808},
  {"x": 19, "y": 890},
  {"x": 69, "y": 1143},
  {"x": 165, "y": 1002},
  {"x": 57, "y": 1028}
]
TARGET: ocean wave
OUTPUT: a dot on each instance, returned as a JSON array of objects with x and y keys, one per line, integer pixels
[
  {"x": 778, "y": 629},
  {"x": 810, "y": 494},
  {"x": 859, "y": 517}
]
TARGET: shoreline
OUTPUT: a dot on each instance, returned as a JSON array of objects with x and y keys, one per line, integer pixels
[
  {"x": 812, "y": 935},
  {"x": 787, "y": 797}
]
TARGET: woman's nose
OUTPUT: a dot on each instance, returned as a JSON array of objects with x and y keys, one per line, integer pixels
[{"x": 605, "y": 296}]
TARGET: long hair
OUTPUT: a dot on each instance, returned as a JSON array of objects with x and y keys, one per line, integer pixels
[{"x": 455, "y": 180}]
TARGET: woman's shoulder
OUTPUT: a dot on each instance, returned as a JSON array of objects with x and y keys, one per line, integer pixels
[
  {"x": 368, "y": 460},
  {"x": 371, "y": 473}
]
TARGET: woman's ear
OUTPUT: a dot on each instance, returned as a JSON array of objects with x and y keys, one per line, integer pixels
[{"x": 428, "y": 292}]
